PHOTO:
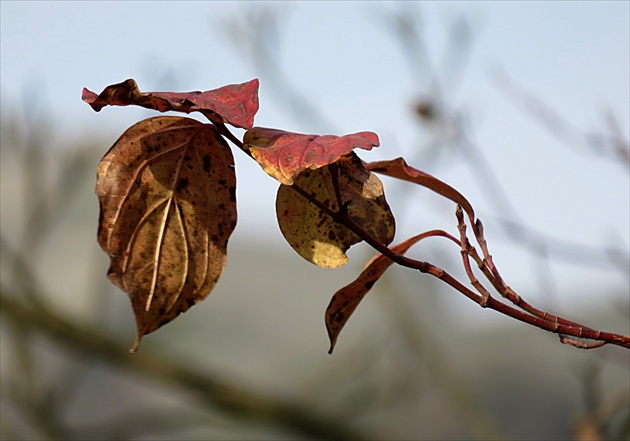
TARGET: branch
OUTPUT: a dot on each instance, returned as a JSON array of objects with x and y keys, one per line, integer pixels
[{"x": 530, "y": 315}]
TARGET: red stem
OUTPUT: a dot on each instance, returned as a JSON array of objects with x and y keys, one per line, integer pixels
[{"x": 529, "y": 314}]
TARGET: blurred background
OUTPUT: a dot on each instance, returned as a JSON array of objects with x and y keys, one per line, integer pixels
[{"x": 524, "y": 107}]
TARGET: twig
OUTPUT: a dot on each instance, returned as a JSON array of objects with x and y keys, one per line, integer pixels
[{"x": 466, "y": 250}]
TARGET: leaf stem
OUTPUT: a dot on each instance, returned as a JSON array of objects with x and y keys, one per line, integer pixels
[{"x": 223, "y": 130}]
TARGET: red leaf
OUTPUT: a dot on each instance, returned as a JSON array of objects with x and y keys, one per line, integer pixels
[
  {"x": 346, "y": 300},
  {"x": 398, "y": 168},
  {"x": 235, "y": 104},
  {"x": 283, "y": 155}
]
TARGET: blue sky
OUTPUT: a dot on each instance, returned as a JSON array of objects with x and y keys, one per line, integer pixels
[{"x": 344, "y": 57}]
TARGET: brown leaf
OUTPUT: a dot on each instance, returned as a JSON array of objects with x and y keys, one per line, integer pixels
[
  {"x": 398, "y": 168},
  {"x": 346, "y": 300},
  {"x": 167, "y": 196},
  {"x": 313, "y": 233},
  {"x": 283, "y": 155},
  {"x": 235, "y": 104}
]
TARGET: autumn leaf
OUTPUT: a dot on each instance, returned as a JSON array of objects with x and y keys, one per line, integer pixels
[
  {"x": 235, "y": 104},
  {"x": 346, "y": 300},
  {"x": 167, "y": 197},
  {"x": 313, "y": 233},
  {"x": 398, "y": 168},
  {"x": 283, "y": 155}
]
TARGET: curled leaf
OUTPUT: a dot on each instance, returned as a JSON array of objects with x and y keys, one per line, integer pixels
[
  {"x": 398, "y": 168},
  {"x": 283, "y": 155},
  {"x": 235, "y": 104},
  {"x": 167, "y": 198},
  {"x": 312, "y": 233},
  {"x": 346, "y": 300}
]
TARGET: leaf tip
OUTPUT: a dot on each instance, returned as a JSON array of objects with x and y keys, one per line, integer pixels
[
  {"x": 332, "y": 346},
  {"x": 88, "y": 96},
  {"x": 371, "y": 140},
  {"x": 136, "y": 345},
  {"x": 333, "y": 332}
]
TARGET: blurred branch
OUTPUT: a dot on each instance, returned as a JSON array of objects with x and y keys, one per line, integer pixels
[
  {"x": 209, "y": 390},
  {"x": 605, "y": 257},
  {"x": 421, "y": 342},
  {"x": 438, "y": 81},
  {"x": 612, "y": 145},
  {"x": 597, "y": 421},
  {"x": 54, "y": 199},
  {"x": 256, "y": 31},
  {"x": 408, "y": 27}
]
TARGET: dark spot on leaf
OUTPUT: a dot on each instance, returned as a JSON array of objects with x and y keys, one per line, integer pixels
[
  {"x": 182, "y": 184},
  {"x": 369, "y": 285},
  {"x": 206, "y": 163}
]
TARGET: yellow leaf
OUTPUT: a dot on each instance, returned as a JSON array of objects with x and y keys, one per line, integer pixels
[{"x": 312, "y": 232}]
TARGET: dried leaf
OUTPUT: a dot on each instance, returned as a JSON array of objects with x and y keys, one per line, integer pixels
[
  {"x": 313, "y": 233},
  {"x": 235, "y": 104},
  {"x": 346, "y": 300},
  {"x": 283, "y": 155},
  {"x": 167, "y": 196},
  {"x": 398, "y": 168}
]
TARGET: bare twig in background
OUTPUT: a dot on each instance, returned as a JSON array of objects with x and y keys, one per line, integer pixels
[
  {"x": 611, "y": 145},
  {"x": 256, "y": 31},
  {"x": 208, "y": 389},
  {"x": 603, "y": 417}
]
